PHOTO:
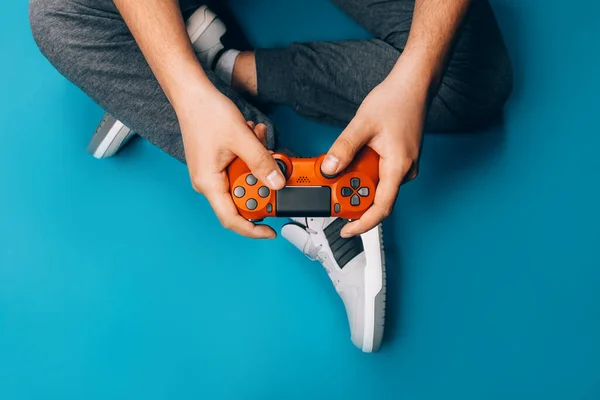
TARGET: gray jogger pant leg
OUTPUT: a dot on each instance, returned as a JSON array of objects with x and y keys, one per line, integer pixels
[
  {"x": 327, "y": 81},
  {"x": 89, "y": 43}
]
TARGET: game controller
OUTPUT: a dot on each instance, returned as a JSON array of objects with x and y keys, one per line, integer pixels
[{"x": 308, "y": 191}]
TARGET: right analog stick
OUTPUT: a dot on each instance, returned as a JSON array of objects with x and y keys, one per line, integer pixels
[{"x": 327, "y": 175}]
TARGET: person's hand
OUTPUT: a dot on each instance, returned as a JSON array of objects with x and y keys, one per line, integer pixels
[
  {"x": 214, "y": 133},
  {"x": 390, "y": 121}
]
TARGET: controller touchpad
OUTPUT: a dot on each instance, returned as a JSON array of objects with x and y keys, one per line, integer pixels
[{"x": 304, "y": 201}]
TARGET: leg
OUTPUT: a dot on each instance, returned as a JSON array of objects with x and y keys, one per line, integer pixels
[
  {"x": 89, "y": 43},
  {"x": 205, "y": 31},
  {"x": 93, "y": 47},
  {"x": 328, "y": 81}
]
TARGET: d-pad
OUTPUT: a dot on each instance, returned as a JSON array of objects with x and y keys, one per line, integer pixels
[{"x": 355, "y": 192}]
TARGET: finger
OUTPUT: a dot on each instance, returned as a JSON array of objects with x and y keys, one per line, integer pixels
[
  {"x": 352, "y": 139},
  {"x": 260, "y": 131},
  {"x": 391, "y": 174},
  {"x": 258, "y": 159},
  {"x": 368, "y": 221},
  {"x": 229, "y": 217}
]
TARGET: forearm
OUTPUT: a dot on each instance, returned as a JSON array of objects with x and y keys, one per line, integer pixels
[
  {"x": 434, "y": 26},
  {"x": 159, "y": 30}
]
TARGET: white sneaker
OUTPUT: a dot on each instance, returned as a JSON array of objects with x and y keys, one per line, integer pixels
[
  {"x": 356, "y": 266},
  {"x": 205, "y": 30},
  {"x": 110, "y": 136}
]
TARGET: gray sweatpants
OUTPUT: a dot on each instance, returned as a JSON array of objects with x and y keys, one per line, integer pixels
[{"x": 89, "y": 43}]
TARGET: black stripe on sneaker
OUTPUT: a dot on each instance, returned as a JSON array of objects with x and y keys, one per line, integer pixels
[
  {"x": 217, "y": 58},
  {"x": 344, "y": 250}
]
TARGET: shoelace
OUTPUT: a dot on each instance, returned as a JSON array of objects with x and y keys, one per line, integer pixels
[
  {"x": 321, "y": 258},
  {"x": 314, "y": 254},
  {"x": 319, "y": 255}
]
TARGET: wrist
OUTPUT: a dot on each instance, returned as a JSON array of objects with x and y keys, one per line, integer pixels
[
  {"x": 420, "y": 69},
  {"x": 184, "y": 87}
]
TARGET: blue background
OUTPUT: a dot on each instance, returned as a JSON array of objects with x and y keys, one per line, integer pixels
[{"x": 116, "y": 281}]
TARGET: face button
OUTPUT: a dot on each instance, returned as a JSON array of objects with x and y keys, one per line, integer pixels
[
  {"x": 355, "y": 200},
  {"x": 355, "y": 183},
  {"x": 364, "y": 191},
  {"x": 239, "y": 192},
  {"x": 251, "y": 180},
  {"x": 251, "y": 204},
  {"x": 264, "y": 192},
  {"x": 337, "y": 208},
  {"x": 346, "y": 192},
  {"x": 269, "y": 208}
]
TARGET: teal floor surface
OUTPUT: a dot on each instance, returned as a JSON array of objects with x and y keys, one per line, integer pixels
[{"x": 117, "y": 282}]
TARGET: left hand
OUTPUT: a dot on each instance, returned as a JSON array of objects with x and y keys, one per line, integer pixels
[{"x": 390, "y": 121}]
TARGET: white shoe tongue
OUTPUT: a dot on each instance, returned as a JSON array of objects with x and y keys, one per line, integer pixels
[{"x": 297, "y": 236}]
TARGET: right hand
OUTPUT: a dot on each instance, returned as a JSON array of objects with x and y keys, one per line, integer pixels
[{"x": 214, "y": 134}]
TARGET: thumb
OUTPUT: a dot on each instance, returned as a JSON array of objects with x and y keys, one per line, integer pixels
[
  {"x": 260, "y": 161},
  {"x": 352, "y": 139}
]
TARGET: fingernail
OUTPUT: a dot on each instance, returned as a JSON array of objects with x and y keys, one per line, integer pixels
[
  {"x": 330, "y": 164},
  {"x": 346, "y": 235},
  {"x": 275, "y": 180}
]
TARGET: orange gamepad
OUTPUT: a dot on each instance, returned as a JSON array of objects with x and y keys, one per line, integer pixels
[{"x": 308, "y": 192}]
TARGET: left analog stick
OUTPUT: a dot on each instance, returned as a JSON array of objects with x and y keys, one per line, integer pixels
[{"x": 282, "y": 167}]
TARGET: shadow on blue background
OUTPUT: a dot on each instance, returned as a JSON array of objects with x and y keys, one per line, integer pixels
[{"x": 116, "y": 281}]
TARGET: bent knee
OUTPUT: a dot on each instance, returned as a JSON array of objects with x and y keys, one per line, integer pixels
[
  {"x": 479, "y": 78},
  {"x": 43, "y": 22},
  {"x": 473, "y": 100},
  {"x": 492, "y": 93},
  {"x": 66, "y": 29},
  {"x": 38, "y": 20},
  {"x": 500, "y": 88}
]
